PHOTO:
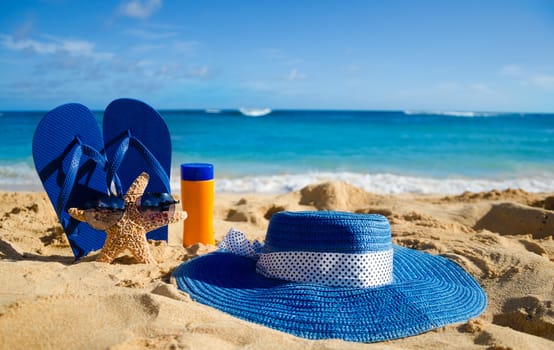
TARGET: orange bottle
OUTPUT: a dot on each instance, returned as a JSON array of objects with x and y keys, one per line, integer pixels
[{"x": 197, "y": 198}]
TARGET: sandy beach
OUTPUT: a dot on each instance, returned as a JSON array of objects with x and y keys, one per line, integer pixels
[{"x": 503, "y": 238}]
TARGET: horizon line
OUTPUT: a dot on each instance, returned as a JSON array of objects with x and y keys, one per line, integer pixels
[{"x": 414, "y": 111}]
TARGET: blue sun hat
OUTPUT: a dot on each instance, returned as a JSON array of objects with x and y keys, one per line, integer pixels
[{"x": 324, "y": 275}]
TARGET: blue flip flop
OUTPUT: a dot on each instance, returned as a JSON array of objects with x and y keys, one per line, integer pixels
[
  {"x": 137, "y": 140},
  {"x": 66, "y": 153}
]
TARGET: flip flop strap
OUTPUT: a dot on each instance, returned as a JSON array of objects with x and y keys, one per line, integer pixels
[
  {"x": 76, "y": 155},
  {"x": 101, "y": 159},
  {"x": 150, "y": 159}
]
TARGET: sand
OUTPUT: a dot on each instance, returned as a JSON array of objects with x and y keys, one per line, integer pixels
[{"x": 504, "y": 239}]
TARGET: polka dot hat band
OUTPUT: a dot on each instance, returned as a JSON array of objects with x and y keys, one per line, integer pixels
[
  {"x": 370, "y": 269},
  {"x": 332, "y": 275}
]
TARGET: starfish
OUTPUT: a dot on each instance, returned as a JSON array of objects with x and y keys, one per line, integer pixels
[{"x": 130, "y": 231}]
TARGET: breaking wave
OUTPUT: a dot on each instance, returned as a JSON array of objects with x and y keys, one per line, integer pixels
[
  {"x": 22, "y": 177},
  {"x": 463, "y": 114},
  {"x": 378, "y": 183}
]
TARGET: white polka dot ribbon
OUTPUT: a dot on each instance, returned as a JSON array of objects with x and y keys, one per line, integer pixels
[{"x": 363, "y": 270}]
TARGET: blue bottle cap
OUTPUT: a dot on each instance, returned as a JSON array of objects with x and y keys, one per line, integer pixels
[{"x": 197, "y": 171}]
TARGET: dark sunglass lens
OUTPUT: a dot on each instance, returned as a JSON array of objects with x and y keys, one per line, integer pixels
[
  {"x": 104, "y": 212},
  {"x": 91, "y": 204},
  {"x": 103, "y": 218},
  {"x": 108, "y": 202},
  {"x": 154, "y": 204},
  {"x": 160, "y": 201},
  {"x": 114, "y": 203}
]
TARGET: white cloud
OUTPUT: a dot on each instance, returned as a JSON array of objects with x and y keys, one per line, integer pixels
[
  {"x": 198, "y": 72},
  {"x": 39, "y": 87},
  {"x": 10, "y": 43},
  {"x": 148, "y": 35},
  {"x": 24, "y": 30},
  {"x": 171, "y": 70},
  {"x": 175, "y": 71},
  {"x": 77, "y": 47},
  {"x": 279, "y": 55},
  {"x": 258, "y": 85},
  {"x": 54, "y": 45},
  {"x": 295, "y": 75},
  {"x": 544, "y": 81},
  {"x": 273, "y": 54},
  {"x": 183, "y": 46},
  {"x": 140, "y": 9},
  {"x": 462, "y": 89},
  {"x": 147, "y": 48},
  {"x": 449, "y": 86},
  {"x": 512, "y": 70},
  {"x": 155, "y": 42},
  {"x": 483, "y": 89},
  {"x": 352, "y": 68},
  {"x": 540, "y": 80},
  {"x": 469, "y": 92}
]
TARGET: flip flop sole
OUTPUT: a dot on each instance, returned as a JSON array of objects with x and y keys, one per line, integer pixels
[
  {"x": 125, "y": 117},
  {"x": 57, "y": 143}
]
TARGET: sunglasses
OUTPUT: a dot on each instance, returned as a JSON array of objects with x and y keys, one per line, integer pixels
[{"x": 105, "y": 211}]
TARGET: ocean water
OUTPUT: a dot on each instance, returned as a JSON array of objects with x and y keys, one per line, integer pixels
[{"x": 380, "y": 151}]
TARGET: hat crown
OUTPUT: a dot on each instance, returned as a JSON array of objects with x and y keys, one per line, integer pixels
[{"x": 323, "y": 231}]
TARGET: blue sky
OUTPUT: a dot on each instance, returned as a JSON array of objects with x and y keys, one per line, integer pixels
[{"x": 488, "y": 55}]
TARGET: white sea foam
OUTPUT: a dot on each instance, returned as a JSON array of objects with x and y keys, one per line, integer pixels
[
  {"x": 379, "y": 183},
  {"x": 464, "y": 114},
  {"x": 23, "y": 177},
  {"x": 255, "y": 112},
  {"x": 19, "y": 177}
]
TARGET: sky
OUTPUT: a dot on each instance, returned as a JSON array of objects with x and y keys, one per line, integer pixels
[{"x": 456, "y": 55}]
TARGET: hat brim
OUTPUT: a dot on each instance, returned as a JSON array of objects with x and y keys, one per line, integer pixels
[{"x": 427, "y": 292}]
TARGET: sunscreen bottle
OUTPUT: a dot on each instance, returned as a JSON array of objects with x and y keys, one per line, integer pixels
[{"x": 197, "y": 198}]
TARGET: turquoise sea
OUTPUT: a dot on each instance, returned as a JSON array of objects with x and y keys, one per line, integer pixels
[{"x": 380, "y": 151}]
